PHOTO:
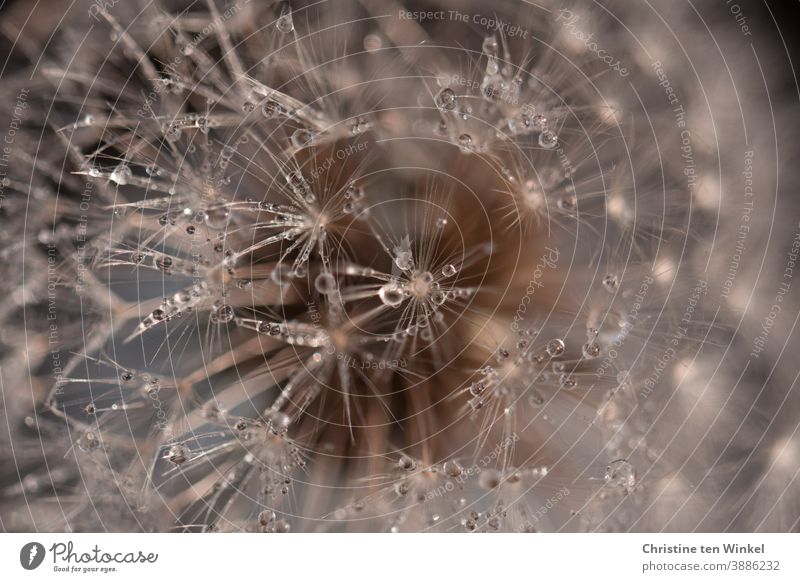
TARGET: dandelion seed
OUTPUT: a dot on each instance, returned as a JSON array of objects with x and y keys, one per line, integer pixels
[{"x": 367, "y": 242}]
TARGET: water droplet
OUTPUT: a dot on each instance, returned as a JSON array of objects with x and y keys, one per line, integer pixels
[
  {"x": 403, "y": 257},
  {"x": 477, "y": 388},
  {"x": 489, "y": 479},
  {"x": 359, "y": 125},
  {"x": 465, "y": 142},
  {"x": 281, "y": 274},
  {"x": 279, "y": 421},
  {"x": 453, "y": 469},
  {"x": 501, "y": 355},
  {"x": 121, "y": 175},
  {"x": 267, "y": 328},
  {"x": 535, "y": 399},
  {"x": 490, "y": 45},
  {"x": 297, "y": 182},
  {"x": 163, "y": 264},
  {"x": 406, "y": 463},
  {"x": 620, "y": 473},
  {"x": 449, "y": 270},
  {"x": 372, "y": 42},
  {"x": 611, "y": 282},
  {"x": 519, "y": 124},
  {"x": 567, "y": 381},
  {"x": 391, "y": 294},
  {"x": 202, "y": 124},
  {"x": 354, "y": 192},
  {"x": 186, "y": 48},
  {"x": 172, "y": 132},
  {"x": 211, "y": 411},
  {"x": 285, "y": 23},
  {"x": 266, "y": 517},
  {"x": 222, "y": 314},
  {"x": 488, "y": 371},
  {"x": 548, "y": 139},
  {"x": 568, "y": 203},
  {"x": 404, "y": 260},
  {"x": 272, "y": 109},
  {"x": 446, "y": 99},
  {"x": 590, "y": 350},
  {"x": 555, "y": 347},
  {"x": 178, "y": 454},
  {"x": 325, "y": 283},
  {"x": 217, "y": 218},
  {"x": 441, "y": 222},
  {"x": 88, "y": 442},
  {"x": 302, "y": 138}
]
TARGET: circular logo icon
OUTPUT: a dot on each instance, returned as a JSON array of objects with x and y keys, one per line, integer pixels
[{"x": 31, "y": 555}]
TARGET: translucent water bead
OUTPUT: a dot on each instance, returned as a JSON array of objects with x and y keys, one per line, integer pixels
[
  {"x": 391, "y": 294},
  {"x": 620, "y": 473},
  {"x": 285, "y": 22},
  {"x": 446, "y": 99}
]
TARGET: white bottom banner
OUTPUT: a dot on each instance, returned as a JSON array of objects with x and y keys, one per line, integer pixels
[{"x": 312, "y": 557}]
